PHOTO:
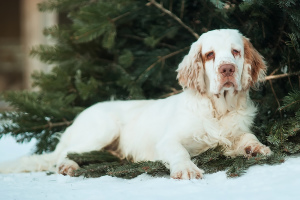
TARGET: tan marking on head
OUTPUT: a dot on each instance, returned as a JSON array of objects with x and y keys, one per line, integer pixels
[
  {"x": 258, "y": 66},
  {"x": 191, "y": 71}
]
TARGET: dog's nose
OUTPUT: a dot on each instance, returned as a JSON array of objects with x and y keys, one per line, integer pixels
[{"x": 227, "y": 70}]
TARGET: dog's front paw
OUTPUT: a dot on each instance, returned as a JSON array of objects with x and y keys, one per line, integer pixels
[
  {"x": 186, "y": 171},
  {"x": 252, "y": 151}
]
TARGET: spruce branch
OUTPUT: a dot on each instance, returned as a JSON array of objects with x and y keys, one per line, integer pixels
[
  {"x": 159, "y": 6},
  {"x": 161, "y": 59}
]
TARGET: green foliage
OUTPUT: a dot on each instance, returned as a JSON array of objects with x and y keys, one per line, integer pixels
[
  {"x": 96, "y": 164},
  {"x": 92, "y": 157},
  {"x": 130, "y": 49},
  {"x": 285, "y": 132}
]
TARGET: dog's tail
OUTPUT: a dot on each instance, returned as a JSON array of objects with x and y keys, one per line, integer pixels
[{"x": 33, "y": 163}]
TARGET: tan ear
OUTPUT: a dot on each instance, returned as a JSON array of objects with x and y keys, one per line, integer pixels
[
  {"x": 254, "y": 66},
  {"x": 191, "y": 70}
]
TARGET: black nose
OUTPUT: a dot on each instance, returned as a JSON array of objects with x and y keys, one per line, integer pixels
[{"x": 227, "y": 70}]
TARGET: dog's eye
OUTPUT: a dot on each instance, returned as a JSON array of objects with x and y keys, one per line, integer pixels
[
  {"x": 235, "y": 52},
  {"x": 210, "y": 55}
]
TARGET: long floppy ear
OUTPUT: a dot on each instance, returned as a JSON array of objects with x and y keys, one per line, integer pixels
[
  {"x": 254, "y": 71},
  {"x": 191, "y": 70}
]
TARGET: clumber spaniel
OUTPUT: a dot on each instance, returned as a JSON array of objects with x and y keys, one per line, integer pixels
[{"x": 213, "y": 109}]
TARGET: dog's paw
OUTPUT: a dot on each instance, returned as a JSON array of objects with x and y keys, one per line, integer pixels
[
  {"x": 67, "y": 168},
  {"x": 252, "y": 151},
  {"x": 186, "y": 171}
]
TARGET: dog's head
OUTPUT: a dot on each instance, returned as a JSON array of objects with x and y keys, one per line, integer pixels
[{"x": 221, "y": 60}]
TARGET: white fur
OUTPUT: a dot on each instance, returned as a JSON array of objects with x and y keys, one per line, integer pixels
[{"x": 172, "y": 129}]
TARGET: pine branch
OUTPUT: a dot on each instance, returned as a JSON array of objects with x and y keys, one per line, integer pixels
[{"x": 159, "y": 6}]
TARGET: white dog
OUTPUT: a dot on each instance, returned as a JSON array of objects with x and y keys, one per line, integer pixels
[{"x": 214, "y": 109}]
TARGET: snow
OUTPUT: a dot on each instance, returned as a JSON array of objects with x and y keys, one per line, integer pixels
[{"x": 260, "y": 182}]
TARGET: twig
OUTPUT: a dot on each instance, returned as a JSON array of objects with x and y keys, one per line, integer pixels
[
  {"x": 275, "y": 71},
  {"x": 279, "y": 38},
  {"x": 171, "y": 93},
  {"x": 182, "y": 9},
  {"x": 289, "y": 105},
  {"x": 274, "y": 93},
  {"x": 160, "y": 59},
  {"x": 171, "y": 6},
  {"x": 159, "y": 6},
  {"x": 271, "y": 77},
  {"x": 51, "y": 125},
  {"x": 289, "y": 64},
  {"x": 119, "y": 17},
  {"x": 142, "y": 39}
]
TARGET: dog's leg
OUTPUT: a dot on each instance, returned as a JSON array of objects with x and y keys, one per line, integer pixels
[
  {"x": 248, "y": 145},
  {"x": 65, "y": 166},
  {"x": 84, "y": 135},
  {"x": 177, "y": 157}
]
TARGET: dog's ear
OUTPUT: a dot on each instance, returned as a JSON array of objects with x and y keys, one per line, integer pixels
[
  {"x": 191, "y": 70},
  {"x": 254, "y": 71}
]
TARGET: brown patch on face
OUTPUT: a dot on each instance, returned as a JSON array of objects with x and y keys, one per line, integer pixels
[
  {"x": 256, "y": 61},
  {"x": 114, "y": 149},
  {"x": 236, "y": 53},
  {"x": 189, "y": 75},
  {"x": 207, "y": 57}
]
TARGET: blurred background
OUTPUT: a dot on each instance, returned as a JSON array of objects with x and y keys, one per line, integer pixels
[{"x": 21, "y": 28}]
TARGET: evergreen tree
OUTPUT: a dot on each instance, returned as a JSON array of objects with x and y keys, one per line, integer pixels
[{"x": 129, "y": 49}]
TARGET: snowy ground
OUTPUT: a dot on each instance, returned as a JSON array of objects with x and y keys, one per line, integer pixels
[{"x": 260, "y": 182}]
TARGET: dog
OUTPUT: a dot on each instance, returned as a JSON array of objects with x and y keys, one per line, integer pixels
[{"x": 213, "y": 110}]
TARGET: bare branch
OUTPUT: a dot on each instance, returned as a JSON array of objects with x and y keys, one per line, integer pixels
[
  {"x": 119, "y": 17},
  {"x": 271, "y": 77},
  {"x": 274, "y": 93},
  {"x": 289, "y": 105},
  {"x": 182, "y": 9},
  {"x": 142, "y": 39},
  {"x": 171, "y": 93},
  {"x": 159, "y": 6},
  {"x": 52, "y": 125}
]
